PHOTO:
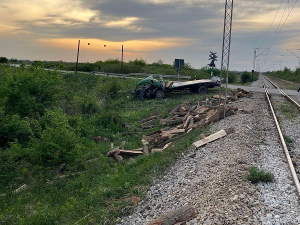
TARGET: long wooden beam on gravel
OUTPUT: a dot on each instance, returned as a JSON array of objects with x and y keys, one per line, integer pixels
[{"x": 291, "y": 166}]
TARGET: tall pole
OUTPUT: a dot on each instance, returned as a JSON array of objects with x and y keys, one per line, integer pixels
[
  {"x": 122, "y": 59},
  {"x": 77, "y": 56},
  {"x": 226, "y": 50},
  {"x": 254, "y": 58}
]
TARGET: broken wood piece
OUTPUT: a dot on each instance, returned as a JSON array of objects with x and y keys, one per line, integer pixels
[
  {"x": 175, "y": 109},
  {"x": 174, "y": 131},
  {"x": 145, "y": 146},
  {"x": 22, "y": 188},
  {"x": 130, "y": 152},
  {"x": 182, "y": 109},
  {"x": 112, "y": 152},
  {"x": 180, "y": 215},
  {"x": 189, "y": 130},
  {"x": 167, "y": 146},
  {"x": 117, "y": 157},
  {"x": 156, "y": 150},
  {"x": 187, "y": 122},
  {"x": 213, "y": 137},
  {"x": 202, "y": 136}
]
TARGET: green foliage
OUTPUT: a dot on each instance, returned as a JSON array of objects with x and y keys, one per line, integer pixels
[
  {"x": 255, "y": 175},
  {"x": 245, "y": 77},
  {"x": 288, "y": 140},
  {"x": 3, "y": 59},
  {"x": 29, "y": 92},
  {"x": 286, "y": 74},
  {"x": 58, "y": 142},
  {"x": 57, "y": 145}
]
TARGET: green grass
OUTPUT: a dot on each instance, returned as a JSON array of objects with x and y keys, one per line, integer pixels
[
  {"x": 289, "y": 110},
  {"x": 288, "y": 140},
  {"x": 255, "y": 175},
  {"x": 77, "y": 183}
]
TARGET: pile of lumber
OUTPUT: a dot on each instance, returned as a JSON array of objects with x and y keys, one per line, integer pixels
[{"x": 183, "y": 119}]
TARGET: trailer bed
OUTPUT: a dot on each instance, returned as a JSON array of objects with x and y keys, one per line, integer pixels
[{"x": 187, "y": 84}]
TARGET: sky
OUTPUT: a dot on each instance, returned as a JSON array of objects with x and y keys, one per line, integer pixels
[{"x": 152, "y": 30}]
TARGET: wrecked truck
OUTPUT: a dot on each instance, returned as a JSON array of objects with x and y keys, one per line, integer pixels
[{"x": 153, "y": 88}]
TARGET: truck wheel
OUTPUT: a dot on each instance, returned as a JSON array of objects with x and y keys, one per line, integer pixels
[
  {"x": 201, "y": 90},
  {"x": 159, "y": 94}
]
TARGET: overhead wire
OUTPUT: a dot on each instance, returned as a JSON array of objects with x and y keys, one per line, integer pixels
[
  {"x": 281, "y": 27},
  {"x": 271, "y": 24}
]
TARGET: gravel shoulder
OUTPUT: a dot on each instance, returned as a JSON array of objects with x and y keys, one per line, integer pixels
[{"x": 212, "y": 178}]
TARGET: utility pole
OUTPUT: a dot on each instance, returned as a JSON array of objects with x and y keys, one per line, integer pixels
[
  {"x": 122, "y": 60},
  {"x": 226, "y": 50},
  {"x": 77, "y": 56},
  {"x": 254, "y": 58}
]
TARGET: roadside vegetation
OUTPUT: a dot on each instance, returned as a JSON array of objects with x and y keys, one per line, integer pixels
[
  {"x": 139, "y": 66},
  {"x": 256, "y": 175},
  {"x": 55, "y": 131},
  {"x": 286, "y": 74}
]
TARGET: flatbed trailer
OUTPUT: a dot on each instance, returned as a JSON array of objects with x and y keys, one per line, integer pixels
[{"x": 152, "y": 88}]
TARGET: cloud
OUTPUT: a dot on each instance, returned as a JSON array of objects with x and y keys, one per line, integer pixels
[
  {"x": 131, "y": 45},
  {"x": 17, "y": 13}
]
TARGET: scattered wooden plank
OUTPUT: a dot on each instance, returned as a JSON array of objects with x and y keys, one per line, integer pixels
[
  {"x": 174, "y": 131},
  {"x": 182, "y": 109},
  {"x": 22, "y": 188},
  {"x": 187, "y": 122},
  {"x": 156, "y": 150},
  {"x": 180, "y": 215},
  {"x": 167, "y": 146},
  {"x": 131, "y": 152},
  {"x": 175, "y": 109},
  {"x": 145, "y": 146},
  {"x": 213, "y": 137}
]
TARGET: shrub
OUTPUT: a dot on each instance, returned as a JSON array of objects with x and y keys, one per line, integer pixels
[
  {"x": 59, "y": 143},
  {"x": 29, "y": 92},
  {"x": 3, "y": 60},
  {"x": 255, "y": 175},
  {"x": 245, "y": 77}
]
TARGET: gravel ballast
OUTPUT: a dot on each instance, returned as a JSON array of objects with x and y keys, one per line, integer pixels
[{"x": 212, "y": 178}]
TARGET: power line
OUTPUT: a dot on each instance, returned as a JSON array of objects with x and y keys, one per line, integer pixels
[
  {"x": 271, "y": 24},
  {"x": 279, "y": 30}
]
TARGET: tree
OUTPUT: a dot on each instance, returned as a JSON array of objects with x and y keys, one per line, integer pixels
[{"x": 3, "y": 60}]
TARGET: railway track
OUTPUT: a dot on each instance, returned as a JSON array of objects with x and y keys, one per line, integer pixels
[
  {"x": 284, "y": 145},
  {"x": 289, "y": 98}
]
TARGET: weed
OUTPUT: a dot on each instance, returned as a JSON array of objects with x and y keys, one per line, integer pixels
[
  {"x": 255, "y": 175},
  {"x": 288, "y": 140}
]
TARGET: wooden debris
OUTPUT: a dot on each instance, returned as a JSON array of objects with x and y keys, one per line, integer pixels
[
  {"x": 156, "y": 150},
  {"x": 145, "y": 146},
  {"x": 130, "y": 152},
  {"x": 180, "y": 215},
  {"x": 213, "y": 137},
  {"x": 175, "y": 109},
  {"x": 22, "y": 188},
  {"x": 182, "y": 109},
  {"x": 167, "y": 146}
]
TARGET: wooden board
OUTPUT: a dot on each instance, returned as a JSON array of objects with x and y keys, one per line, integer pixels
[
  {"x": 178, "y": 216},
  {"x": 213, "y": 137}
]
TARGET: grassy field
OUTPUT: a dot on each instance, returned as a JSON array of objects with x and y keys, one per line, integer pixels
[{"x": 47, "y": 127}]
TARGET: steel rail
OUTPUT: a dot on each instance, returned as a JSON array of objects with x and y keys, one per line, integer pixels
[
  {"x": 284, "y": 94},
  {"x": 291, "y": 166}
]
